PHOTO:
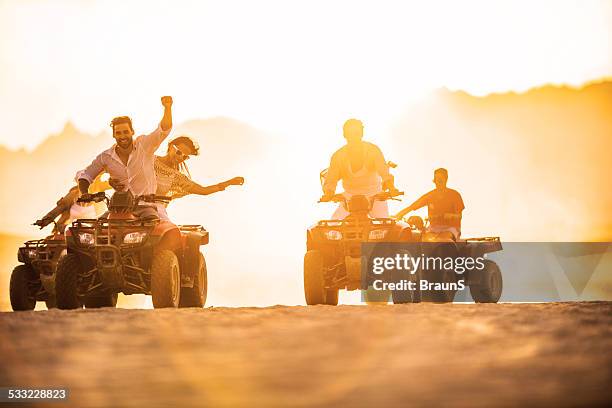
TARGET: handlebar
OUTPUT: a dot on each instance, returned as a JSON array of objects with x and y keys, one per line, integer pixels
[
  {"x": 101, "y": 196},
  {"x": 388, "y": 195},
  {"x": 382, "y": 196}
]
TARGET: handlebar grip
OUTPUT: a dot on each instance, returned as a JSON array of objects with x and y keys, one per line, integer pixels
[{"x": 96, "y": 197}]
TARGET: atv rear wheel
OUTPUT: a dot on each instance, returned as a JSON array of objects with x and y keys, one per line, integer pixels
[
  {"x": 165, "y": 279},
  {"x": 490, "y": 285},
  {"x": 374, "y": 297},
  {"x": 314, "y": 282},
  {"x": 21, "y": 298},
  {"x": 196, "y": 296},
  {"x": 331, "y": 297},
  {"x": 446, "y": 278},
  {"x": 407, "y": 295},
  {"x": 95, "y": 302},
  {"x": 66, "y": 294}
]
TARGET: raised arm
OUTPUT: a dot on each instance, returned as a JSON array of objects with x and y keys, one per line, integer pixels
[
  {"x": 155, "y": 138},
  {"x": 166, "y": 122}
]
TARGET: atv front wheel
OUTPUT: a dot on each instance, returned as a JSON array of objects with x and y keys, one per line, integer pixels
[
  {"x": 21, "y": 298},
  {"x": 196, "y": 296},
  {"x": 51, "y": 302},
  {"x": 66, "y": 295},
  {"x": 489, "y": 288},
  {"x": 314, "y": 283},
  {"x": 165, "y": 279},
  {"x": 446, "y": 277},
  {"x": 406, "y": 295}
]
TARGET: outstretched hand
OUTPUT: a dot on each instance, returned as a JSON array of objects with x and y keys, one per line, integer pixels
[
  {"x": 393, "y": 192},
  {"x": 236, "y": 181},
  {"x": 326, "y": 198}
]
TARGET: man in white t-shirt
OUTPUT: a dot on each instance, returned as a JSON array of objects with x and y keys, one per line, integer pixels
[{"x": 362, "y": 169}]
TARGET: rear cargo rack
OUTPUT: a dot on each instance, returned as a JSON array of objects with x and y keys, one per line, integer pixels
[
  {"x": 485, "y": 244},
  {"x": 191, "y": 227},
  {"x": 483, "y": 239},
  {"x": 34, "y": 243}
]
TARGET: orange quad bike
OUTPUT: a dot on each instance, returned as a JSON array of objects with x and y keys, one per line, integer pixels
[
  {"x": 485, "y": 285},
  {"x": 34, "y": 279},
  {"x": 120, "y": 252},
  {"x": 333, "y": 260}
]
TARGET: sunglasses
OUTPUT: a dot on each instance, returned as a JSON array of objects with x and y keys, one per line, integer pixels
[{"x": 179, "y": 153}]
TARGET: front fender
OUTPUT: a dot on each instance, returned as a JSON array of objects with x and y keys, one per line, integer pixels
[{"x": 168, "y": 237}]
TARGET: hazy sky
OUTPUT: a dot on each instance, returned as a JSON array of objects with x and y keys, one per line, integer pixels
[{"x": 287, "y": 66}]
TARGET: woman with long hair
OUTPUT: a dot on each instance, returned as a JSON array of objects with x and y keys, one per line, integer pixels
[{"x": 173, "y": 177}]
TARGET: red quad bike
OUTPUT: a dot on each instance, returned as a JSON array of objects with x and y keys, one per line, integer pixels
[
  {"x": 124, "y": 253},
  {"x": 34, "y": 279},
  {"x": 485, "y": 285},
  {"x": 333, "y": 258}
]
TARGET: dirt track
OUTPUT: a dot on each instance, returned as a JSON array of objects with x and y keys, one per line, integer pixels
[{"x": 419, "y": 355}]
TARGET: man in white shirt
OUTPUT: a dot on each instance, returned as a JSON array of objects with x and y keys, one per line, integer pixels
[{"x": 130, "y": 161}]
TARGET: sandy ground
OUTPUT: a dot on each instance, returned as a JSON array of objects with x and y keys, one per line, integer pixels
[{"x": 555, "y": 354}]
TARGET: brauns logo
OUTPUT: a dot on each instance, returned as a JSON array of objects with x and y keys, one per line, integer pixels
[{"x": 422, "y": 285}]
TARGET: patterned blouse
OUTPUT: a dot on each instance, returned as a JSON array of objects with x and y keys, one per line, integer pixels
[{"x": 171, "y": 182}]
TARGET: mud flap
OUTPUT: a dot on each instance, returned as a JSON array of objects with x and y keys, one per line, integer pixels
[{"x": 191, "y": 259}]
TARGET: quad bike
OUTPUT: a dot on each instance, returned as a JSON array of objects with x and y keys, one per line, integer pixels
[
  {"x": 34, "y": 279},
  {"x": 485, "y": 285},
  {"x": 123, "y": 253},
  {"x": 333, "y": 260}
]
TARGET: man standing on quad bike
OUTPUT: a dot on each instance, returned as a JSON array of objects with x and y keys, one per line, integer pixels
[
  {"x": 68, "y": 209},
  {"x": 173, "y": 176},
  {"x": 362, "y": 168},
  {"x": 444, "y": 206},
  {"x": 130, "y": 161}
]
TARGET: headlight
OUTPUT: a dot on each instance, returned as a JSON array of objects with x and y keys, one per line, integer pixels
[
  {"x": 377, "y": 234},
  {"x": 31, "y": 253},
  {"x": 134, "y": 238},
  {"x": 86, "y": 238},
  {"x": 333, "y": 235}
]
